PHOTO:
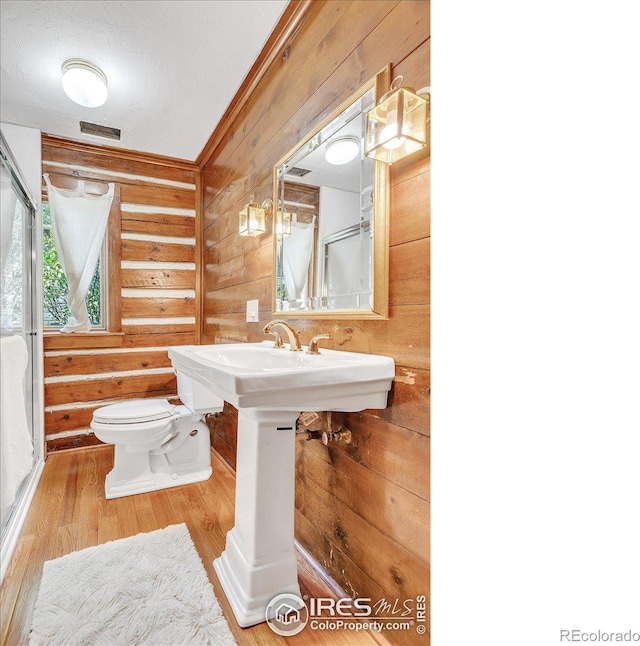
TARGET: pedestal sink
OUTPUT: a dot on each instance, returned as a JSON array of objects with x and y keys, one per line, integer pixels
[{"x": 270, "y": 387}]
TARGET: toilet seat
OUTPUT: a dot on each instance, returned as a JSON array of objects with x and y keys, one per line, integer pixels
[{"x": 136, "y": 411}]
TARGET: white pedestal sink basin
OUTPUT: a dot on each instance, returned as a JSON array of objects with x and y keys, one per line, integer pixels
[
  {"x": 270, "y": 387},
  {"x": 256, "y": 375}
]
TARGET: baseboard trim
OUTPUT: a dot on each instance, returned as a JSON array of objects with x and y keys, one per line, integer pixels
[
  {"x": 317, "y": 575},
  {"x": 74, "y": 449}
]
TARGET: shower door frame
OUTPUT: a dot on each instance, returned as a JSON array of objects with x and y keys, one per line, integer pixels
[{"x": 33, "y": 336}]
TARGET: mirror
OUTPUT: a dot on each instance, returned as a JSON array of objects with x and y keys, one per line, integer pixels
[{"x": 330, "y": 220}]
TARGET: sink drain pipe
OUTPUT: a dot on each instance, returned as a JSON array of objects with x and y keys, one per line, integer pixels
[{"x": 343, "y": 434}]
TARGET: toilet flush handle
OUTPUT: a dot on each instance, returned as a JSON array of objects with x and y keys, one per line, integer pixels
[{"x": 167, "y": 439}]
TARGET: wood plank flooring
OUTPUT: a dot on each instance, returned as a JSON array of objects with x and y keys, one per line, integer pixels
[{"x": 69, "y": 512}]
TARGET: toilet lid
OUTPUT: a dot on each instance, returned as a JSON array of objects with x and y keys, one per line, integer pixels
[{"x": 136, "y": 410}]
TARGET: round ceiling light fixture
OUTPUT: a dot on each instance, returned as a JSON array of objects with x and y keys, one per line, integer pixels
[
  {"x": 342, "y": 150},
  {"x": 84, "y": 83}
]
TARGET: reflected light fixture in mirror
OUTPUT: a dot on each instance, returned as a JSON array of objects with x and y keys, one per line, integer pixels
[
  {"x": 84, "y": 83},
  {"x": 397, "y": 125},
  {"x": 283, "y": 224},
  {"x": 253, "y": 218},
  {"x": 342, "y": 150}
]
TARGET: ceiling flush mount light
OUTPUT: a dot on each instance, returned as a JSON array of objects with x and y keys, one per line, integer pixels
[
  {"x": 253, "y": 218},
  {"x": 84, "y": 83},
  {"x": 397, "y": 126},
  {"x": 342, "y": 150}
]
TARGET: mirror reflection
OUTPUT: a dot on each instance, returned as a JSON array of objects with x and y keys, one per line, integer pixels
[{"x": 325, "y": 217}]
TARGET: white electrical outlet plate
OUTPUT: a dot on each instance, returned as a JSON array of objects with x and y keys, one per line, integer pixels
[{"x": 252, "y": 311}]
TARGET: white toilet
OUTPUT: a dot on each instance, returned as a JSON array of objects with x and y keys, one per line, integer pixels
[{"x": 157, "y": 445}]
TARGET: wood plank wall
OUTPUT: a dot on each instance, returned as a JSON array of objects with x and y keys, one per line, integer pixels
[
  {"x": 153, "y": 284},
  {"x": 362, "y": 509}
]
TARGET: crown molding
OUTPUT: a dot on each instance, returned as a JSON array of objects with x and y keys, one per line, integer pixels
[
  {"x": 121, "y": 153},
  {"x": 292, "y": 19}
]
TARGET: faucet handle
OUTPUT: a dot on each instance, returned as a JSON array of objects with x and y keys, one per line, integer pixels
[
  {"x": 278, "y": 344},
  {"x": 313, "y": 344}
]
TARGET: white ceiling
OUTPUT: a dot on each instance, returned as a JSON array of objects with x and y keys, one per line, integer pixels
[{"x": 172, "y": 66}]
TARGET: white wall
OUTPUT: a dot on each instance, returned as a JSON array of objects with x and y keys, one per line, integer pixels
[
  {"x": 338, "y": 210},
  {"x": 26, "y": 147}
]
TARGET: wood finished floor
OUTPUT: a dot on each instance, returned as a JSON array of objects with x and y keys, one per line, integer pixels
[{"x": 69, "y": 512}]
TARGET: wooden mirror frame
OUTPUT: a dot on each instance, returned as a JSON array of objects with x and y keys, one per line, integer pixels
[{"x": 381, "y": 201}]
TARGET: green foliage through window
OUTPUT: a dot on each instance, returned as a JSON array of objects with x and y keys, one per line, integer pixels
[{"x": 54, "y": 282}]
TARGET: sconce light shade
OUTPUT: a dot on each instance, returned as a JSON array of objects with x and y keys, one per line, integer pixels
[
  {"x": 84, "y": 83},
  {"x": 252, "y": 220},
  {"x": 253, "y": 217},
  {"x": 283, "y": 224},
  {"x": 397, "y": 126},
  {"x": 342, "y": 150}
]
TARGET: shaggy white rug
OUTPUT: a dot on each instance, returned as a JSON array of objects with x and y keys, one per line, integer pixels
[{"x": 149, "y": 589}]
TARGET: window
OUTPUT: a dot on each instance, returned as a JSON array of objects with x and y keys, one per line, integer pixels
[{"x": 54, "y": 283}]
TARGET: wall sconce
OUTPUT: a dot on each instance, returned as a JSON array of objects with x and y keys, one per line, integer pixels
[
  {"x": 397, "y": 126},
  {"x": 84, "y": 83},
  {"x": 253, "y": 218},
  {"x": 283, "y": 224}
]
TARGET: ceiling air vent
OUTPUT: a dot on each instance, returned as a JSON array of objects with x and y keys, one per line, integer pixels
[
  {"x": 99, "y": 131},
  {"x": 297, "y": 171}
]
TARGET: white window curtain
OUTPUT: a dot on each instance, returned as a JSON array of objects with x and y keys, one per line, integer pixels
[
  {"x": 297, "y": 255},
  {"x": 79, "y": 221}
]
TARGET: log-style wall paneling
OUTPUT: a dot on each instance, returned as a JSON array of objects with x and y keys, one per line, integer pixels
[
  {"x": 141, "y": 307},
  {"x": 169, "y": 225},
  {"x": 155, "y": 251},
  {"x": 158, "y": 278},
  {"x": 152, "y": 287},
  {"x": 114, "y": 386},
  {"x": 92, "y": 363},
  {"x": 362, "y": 509}
]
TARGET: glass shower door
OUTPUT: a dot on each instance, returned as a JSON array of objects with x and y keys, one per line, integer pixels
[{"x": 17, "y": 319}]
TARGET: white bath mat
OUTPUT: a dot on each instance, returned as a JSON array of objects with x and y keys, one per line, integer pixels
[{"x": 149, "y": 589}]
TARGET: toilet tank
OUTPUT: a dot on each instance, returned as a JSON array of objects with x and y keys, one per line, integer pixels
[{"x": 196, "y": 397}]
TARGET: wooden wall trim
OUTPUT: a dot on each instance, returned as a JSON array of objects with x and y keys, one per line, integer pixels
[
  {"x": 199, "y": 258},
  {"x": 114, "y": 260},
  {"x": 292, "y": 19},
  {"x": 122, "y": 153},
  {"x": 316, "y": 572}
]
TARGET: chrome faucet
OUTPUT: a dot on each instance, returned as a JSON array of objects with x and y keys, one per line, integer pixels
[{"x": 294, "y": 339}]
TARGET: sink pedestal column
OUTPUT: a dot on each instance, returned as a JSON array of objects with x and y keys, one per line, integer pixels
[{"x": 259, "y": 560}]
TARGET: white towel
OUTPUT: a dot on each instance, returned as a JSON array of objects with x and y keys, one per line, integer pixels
[{"x": 16, "y": 446}]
